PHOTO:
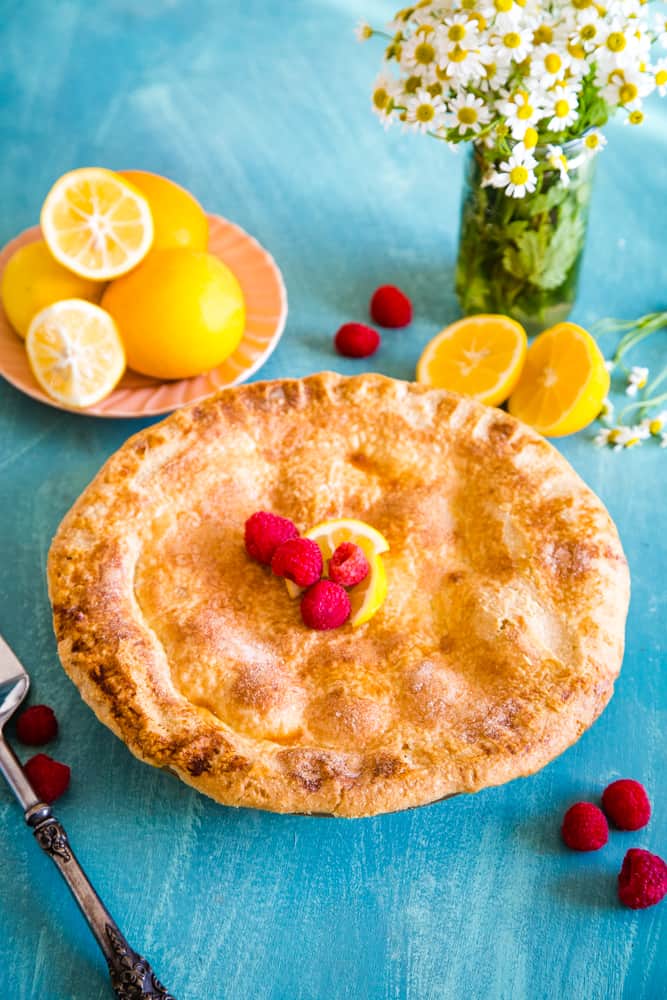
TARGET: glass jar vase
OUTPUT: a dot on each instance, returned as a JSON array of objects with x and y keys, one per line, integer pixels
[{"x": 521, "y": 256}]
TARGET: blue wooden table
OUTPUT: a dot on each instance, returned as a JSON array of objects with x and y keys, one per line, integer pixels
[{"x": 262, "y": 109}]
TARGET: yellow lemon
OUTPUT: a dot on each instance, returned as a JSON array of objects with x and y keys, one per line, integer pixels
[
  {"x": 96, "y": 223},
  {"x": 480, "y": 356},
  {"x": 75, "y": 352},
  {"x": 33, "y": 279},
  {"x": 180, "y": 313},
  {"x": 178, "y": 218},
  {"x": 563, "y": 383}
]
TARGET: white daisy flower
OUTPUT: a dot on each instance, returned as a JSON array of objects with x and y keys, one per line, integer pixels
[
  {"x": 462, "y": 65},
  {"x": 512, "y": 46},
  {"x": 563, "y": 103},
  {"x": 548, "y": 64},
  {"x": 516, "y": 175},
  {"x": 420, "y": 53},
  {"x": 587, "y": 28},
  {"x": 621, "y": 436},
  {"x": 606, "y": 414},
  {"x": 363, "y": 31},
  {"x": 467, "y": 113},
  {"x": 556, "y": 158},
  {"x": 636, "y": 117},
  {"x": 594, "y": 142},
  {"x": 527, "y": 145},
  {"x": 661, "y": 30},
  {"x": 660, "y": 76},
  {"x": 637, "y": 380},
  {"x": 521, "y": 111},
  {"x": 656, "y": 425},
  {"x": 505, "y": 14},
  {"x": 424, "y": 112},
  {"x": 461, "y": 29},
  {"x": 627, "y": 87},
  {"x": 620, "y": 47}
]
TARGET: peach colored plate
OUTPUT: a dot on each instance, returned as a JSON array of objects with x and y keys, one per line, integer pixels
[{"x": 140, "y": 396}]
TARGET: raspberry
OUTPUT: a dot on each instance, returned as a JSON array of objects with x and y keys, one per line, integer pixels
[
  {"x": 37, "y": 725},
  {"x": 356, "y": 340},
  {"x": 300, "y": 560},
  {"x": 585, "y": 827},
  {"x": 47, "y": 776},
  {"x": 626, "y": 804},
  {"x": 348, "y": 565},
  {"x": 264, "y": 532},
  {"x": 325, "y": 605},
  {"x": 390, "y": 307},
  {"x": 642, "y": 880}
]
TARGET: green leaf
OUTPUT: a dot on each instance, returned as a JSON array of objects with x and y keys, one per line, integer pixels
[
  {"x": 561, "y": 251},
  {"x": 523, "y": 259}
]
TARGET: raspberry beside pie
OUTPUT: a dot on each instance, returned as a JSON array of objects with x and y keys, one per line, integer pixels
[{"x": 497, "y": 645}]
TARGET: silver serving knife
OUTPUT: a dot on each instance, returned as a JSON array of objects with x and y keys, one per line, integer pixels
[{"x": 131, "y": 976}]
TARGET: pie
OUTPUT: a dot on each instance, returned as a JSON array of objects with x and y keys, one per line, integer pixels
[{"x": 498, "y": 643}]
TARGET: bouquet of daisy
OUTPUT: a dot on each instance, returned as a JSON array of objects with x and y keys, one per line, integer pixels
[{"x": 528, "y": 84}]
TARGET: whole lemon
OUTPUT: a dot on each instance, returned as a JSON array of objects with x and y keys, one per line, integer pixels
[
  {"x": 179, "y": 313},
  {"x": 178, "y": 218},
  {"x": 33, "y": 280}
]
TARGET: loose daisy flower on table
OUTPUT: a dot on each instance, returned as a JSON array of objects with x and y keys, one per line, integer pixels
[{"x": 500, "y": 72}]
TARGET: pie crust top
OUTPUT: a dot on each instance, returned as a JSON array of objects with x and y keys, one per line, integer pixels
[{"x": 497, "y": 645}]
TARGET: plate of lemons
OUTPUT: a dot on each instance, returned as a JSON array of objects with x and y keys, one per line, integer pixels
[{"x": 130, "y": 300}]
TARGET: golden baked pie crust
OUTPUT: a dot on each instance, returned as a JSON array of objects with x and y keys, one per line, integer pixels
[{"x": 497, "y": 646}]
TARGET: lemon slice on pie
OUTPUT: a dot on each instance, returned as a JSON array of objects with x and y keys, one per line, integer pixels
[
  {"x": 96, "y": 223},
  {"x": 367, "y": 596},
  {"x": 75, "y": 352}
]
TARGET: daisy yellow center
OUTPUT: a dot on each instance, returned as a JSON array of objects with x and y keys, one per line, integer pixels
[
  {"x": 512, "y": 40},
  {"x": 442, "y": 74},
  {"x": 655, "y": 426},
  {"x": 661, "y": 77},
  {"x": 424, "y": 53},
  {"x": 616, "y": 41},
  {"x": 582, "y": 4},
  {"x": 467, "y": 116},
  {"x": 518, "y": 175},
  {"x": 425, "y": 113},
  {"x": 627, "y": 93},
  {"x": 457, "y": 54},
  {"x": 636, "y": 117},
  {"x": 562, "y": 108},
  {"x": 553, "y": 62},
  {"x": 592, "y": 141},
  {"x": 380, "y": 98},
  {"x": 412, "y": 84},
  {"x": 530, "y": 138},
  {"x": 435, "y": 89},
  {"x": 588, "y": 32},
  {"x": 543, "y": 35},
  {"x": 456, "y": 33},
  {"x": 524, "y": 112},
  {"x": 503, "y": 6},
  {"x": 576, "y": 50}
]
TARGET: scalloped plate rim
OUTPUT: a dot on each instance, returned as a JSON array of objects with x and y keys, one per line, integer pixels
[{"x": 124, "y": 412}]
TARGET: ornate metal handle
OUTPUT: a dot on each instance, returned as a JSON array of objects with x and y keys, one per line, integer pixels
[{"x": 131, "y": 976}]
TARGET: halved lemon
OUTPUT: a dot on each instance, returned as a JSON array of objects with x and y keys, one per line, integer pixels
[
  {"x": 368, "y": 596},
  {"x": 330, "y": 534},
  {"x": 75, "y": 352},
  {"x": 96, "y": 223},
  {"x": 480, "y": 356},
  {"x": 563, "y": 383}
]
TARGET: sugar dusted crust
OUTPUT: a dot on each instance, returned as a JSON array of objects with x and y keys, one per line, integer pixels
[{"x": 497, "y": 646}]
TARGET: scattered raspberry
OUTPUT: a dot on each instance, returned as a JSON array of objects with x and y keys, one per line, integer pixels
[
  {"x": 626, "y": 804},
  {"x": 348, "y": 565},
  {"x": 37, "y": 725},
  {"x": 300, "y": 560},
  {"x": 325, "y": 605},
  {"x": 356, "y": 340},
  {"x": 585, "y": 827},
  {"x": 47, "y": 776},
  {"x": 642, "y": 881},
  {"x": 264, "y": 532},
  {"x": 390, "y": 307}
]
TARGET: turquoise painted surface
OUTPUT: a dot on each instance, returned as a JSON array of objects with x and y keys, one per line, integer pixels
[{"x": 262, "y": 110}]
